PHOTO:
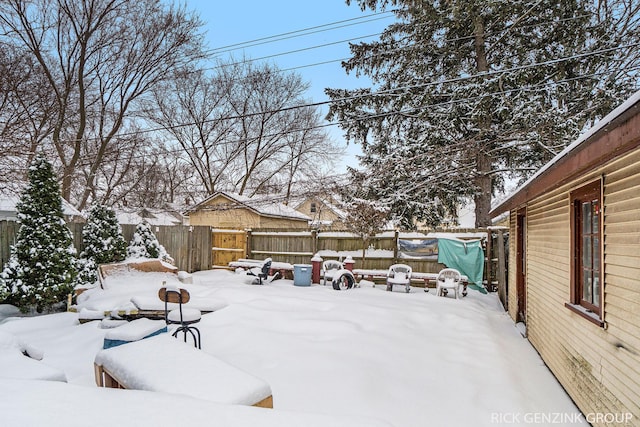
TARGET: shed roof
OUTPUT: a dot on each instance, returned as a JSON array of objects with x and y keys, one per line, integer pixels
[
  {"x": 264, "y": 206},
  {"x": 603, "y": 142}
]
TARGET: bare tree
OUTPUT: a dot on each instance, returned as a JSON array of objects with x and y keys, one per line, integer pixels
[
  {"x": 98, "y": 58},
  {"x": 193, "y": 110},
  {"x": 245, "y": 128},
  {"x": 25, "y": 106}
]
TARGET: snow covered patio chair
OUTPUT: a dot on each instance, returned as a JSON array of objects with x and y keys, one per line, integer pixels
[
  {"x": 448, "y": 279},
  {"x": 329, "y": 270},
  {"x": 399, "y": 274}
]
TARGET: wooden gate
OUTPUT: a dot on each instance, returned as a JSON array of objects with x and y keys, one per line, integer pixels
[{"x": 228, "y": 246}]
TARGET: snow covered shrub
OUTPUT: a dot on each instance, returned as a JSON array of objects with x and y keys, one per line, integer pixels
[
  {"x": 144, "y": 244},
  {"x": 41, "y": 268},
  {"x": 103, "y": 243}
]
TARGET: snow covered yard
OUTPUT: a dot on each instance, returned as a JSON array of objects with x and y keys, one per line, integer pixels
[{"x": 409, "y": 360}]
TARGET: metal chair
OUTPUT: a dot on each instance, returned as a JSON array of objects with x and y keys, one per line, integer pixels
[
  {"x": 399, "y": 274},
  {"x": 448, "y": 279},
  {"x": 329, "y": 270},
  {"x": 262, "y": 273},
  {"x": 184, "y": 317}
]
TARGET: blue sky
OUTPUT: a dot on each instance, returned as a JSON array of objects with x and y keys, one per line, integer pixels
[{"x": 233, "y": 22}]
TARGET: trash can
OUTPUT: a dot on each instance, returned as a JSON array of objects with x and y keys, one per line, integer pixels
[{"x": 302, "y": 274}]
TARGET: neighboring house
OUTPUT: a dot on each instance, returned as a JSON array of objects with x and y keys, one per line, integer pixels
[
  {"x": 228, "y": 210},
  {"x": 323, "y": 211},
  {"x": 151, "y": 216},
  {"x": 574, "y": 266},
  {"x": 8, "y": 211}
]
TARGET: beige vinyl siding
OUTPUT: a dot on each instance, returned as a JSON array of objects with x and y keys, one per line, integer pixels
[{"x": 599, "y": 367}]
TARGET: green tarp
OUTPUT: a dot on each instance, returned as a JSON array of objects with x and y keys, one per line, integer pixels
[{"x": 466, "y": 257}]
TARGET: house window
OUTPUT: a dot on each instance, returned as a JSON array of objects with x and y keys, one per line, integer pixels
[
  {"x": 314, "y": 207},
  {"x": 586, "y": 226}
]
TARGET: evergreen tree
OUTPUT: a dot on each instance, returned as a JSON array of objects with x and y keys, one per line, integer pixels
[
  {"x": 468, "y": 93},
  {"x": 41, "y": 269},
  {"x": 103, "y": 243},
  {"x": 145, "y": 244}
]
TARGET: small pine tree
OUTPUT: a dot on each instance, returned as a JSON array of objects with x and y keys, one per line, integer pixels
[
  {"x": 103, "y": 243},
  {"x": 41, "y": 268},
  {"x": 145, "y": 244}
]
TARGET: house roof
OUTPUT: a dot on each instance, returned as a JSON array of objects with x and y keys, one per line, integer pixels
[
  {"x": 611, "y": 137},
  {"x": 8, "y": 204},
  {"x": 151, "y": 216},
  {"x": 264, "y": 206},
  {"x": 299, "y": 201}
]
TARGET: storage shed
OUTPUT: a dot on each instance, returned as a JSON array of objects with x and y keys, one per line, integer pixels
[
  {"x": 574, "y": 266},
  {"x": 228, "y": 210}
]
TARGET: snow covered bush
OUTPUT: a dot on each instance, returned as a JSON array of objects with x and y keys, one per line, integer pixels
[
  {"x": 144, "y": 244},
  {"x": 103, "y": 243},
  {"x": 41, "y": 268}
]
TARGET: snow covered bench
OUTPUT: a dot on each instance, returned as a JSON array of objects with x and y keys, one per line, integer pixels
[
  {"x": 144, "y": 265},
  {"x": 153, "y": 308},
  {"x": 165, "y": 364}
]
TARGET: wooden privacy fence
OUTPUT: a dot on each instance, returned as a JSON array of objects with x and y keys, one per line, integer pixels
[
  {"x": 190, "y": 247},
  {"x": 196, "y": 248},
  {"x": 298, "y": 247}
]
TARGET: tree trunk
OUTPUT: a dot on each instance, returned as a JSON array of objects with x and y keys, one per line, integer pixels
[
  {"x": 482, "y": 197},
  {"x": 483, "y": 184}
]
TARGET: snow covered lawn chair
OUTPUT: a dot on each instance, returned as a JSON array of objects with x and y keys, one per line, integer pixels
[
  {"x": 448, "y": 279},
  {"x": 164, "y": 364},
  {"x": 330, "y": 268},
  {"x": 399, "y": 274}
]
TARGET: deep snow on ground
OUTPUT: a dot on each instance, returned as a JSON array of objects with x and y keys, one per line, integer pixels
[{"x": 407, "y": 359}]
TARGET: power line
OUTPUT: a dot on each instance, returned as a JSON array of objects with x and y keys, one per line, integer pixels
[
  {"x": 455, "y": 39},
  {"x": 387, "y": 91},
  {"x": 276, "y": 38}
]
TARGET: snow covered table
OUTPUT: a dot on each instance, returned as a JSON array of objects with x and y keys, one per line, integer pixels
[{"x": 165, "y": 364}]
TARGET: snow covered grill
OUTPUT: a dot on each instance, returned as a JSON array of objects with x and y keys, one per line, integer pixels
[{"x": 164, "y": 364}]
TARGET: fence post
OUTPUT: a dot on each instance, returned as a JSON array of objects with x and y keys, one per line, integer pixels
[
  {"x": 396, "y": 239},
  {"x": 249, "y": 249},
  {"x": 316, "y": 262},
  {"x": 348, "y": 263},
  {"x": 314, "y": 241},
  {"x": 489, "y": 260}
]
